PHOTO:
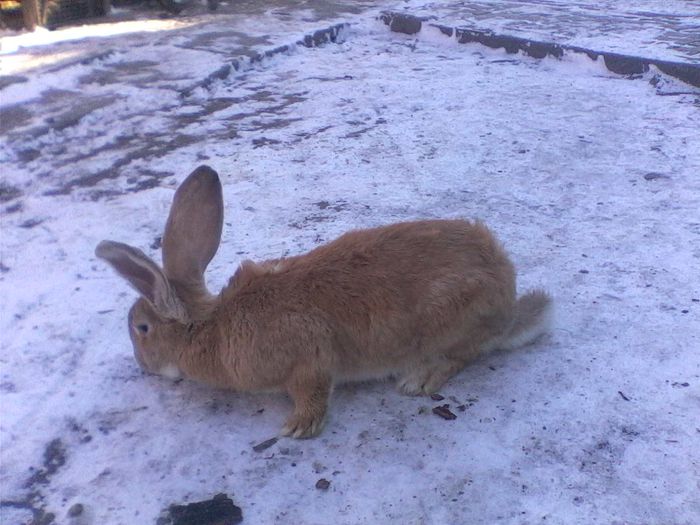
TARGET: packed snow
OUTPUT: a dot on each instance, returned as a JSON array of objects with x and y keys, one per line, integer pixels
[
  {"x": 655, "y": 29},
  {"x": 589, "y": 179}
]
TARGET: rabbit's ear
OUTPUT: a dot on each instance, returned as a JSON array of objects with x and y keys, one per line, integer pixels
[
  {"x": 193, "y": 231},
  {"x": 145, "y": 276}
]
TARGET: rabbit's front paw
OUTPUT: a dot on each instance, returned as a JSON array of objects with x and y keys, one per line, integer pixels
[
  {"x": 310, "y": 392},
  {"x": 303, "y": 426}
]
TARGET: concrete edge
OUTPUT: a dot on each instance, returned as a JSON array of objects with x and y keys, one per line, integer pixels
[
  {"x": 614, "y": 62},
  {"x": 320, "y": 37}
]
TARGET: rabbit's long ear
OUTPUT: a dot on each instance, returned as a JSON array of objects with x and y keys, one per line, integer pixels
[
  {"x": 193, "y": 231},
  {"x": 145, "y": 276}
]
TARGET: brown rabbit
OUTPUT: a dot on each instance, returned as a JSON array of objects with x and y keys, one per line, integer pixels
[{"x": 414, "y": 300}]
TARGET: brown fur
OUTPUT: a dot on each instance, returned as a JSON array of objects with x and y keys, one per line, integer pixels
[{"x": 414, "y": 300}]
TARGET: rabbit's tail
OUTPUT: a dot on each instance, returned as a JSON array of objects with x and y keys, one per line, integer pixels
[{"x": 533, "y": 315}]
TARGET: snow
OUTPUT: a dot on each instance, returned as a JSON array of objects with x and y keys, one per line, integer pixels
[
  {"x": 589, "y": 179},
  {"x": 12, "y": 43},
  {"x": 655, "y": 29}
]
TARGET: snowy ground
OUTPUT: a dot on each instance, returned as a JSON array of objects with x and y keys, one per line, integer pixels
[
  {"x": 589, "y": 179},
  {"x": 657, "y": 29}
]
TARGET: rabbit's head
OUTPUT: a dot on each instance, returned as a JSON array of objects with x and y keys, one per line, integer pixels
[{"x": 175, "y": 296}]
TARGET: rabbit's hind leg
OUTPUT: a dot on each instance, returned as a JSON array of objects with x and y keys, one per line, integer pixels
[{"x": 428, "y": 376}]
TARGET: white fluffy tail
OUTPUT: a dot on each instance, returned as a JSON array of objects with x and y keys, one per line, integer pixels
[{"x": 533, "y": 315}]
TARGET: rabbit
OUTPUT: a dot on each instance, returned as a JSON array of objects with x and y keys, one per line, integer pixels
[{"x": 415, "y": 301}]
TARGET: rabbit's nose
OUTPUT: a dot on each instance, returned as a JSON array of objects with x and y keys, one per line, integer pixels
[
  {"x": 139, "y": 360},
  {"x": 170, "y": 371}
]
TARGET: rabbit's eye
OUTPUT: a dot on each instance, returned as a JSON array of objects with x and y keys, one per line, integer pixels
[{"x": 142, "y": 328}]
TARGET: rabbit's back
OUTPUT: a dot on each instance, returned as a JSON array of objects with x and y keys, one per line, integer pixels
[{"x": 380, "y": 296}]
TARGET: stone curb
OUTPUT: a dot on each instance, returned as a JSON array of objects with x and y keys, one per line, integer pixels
[
  {"x": 615, "y": 62},
  {"x": 317, "y": 38}
]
